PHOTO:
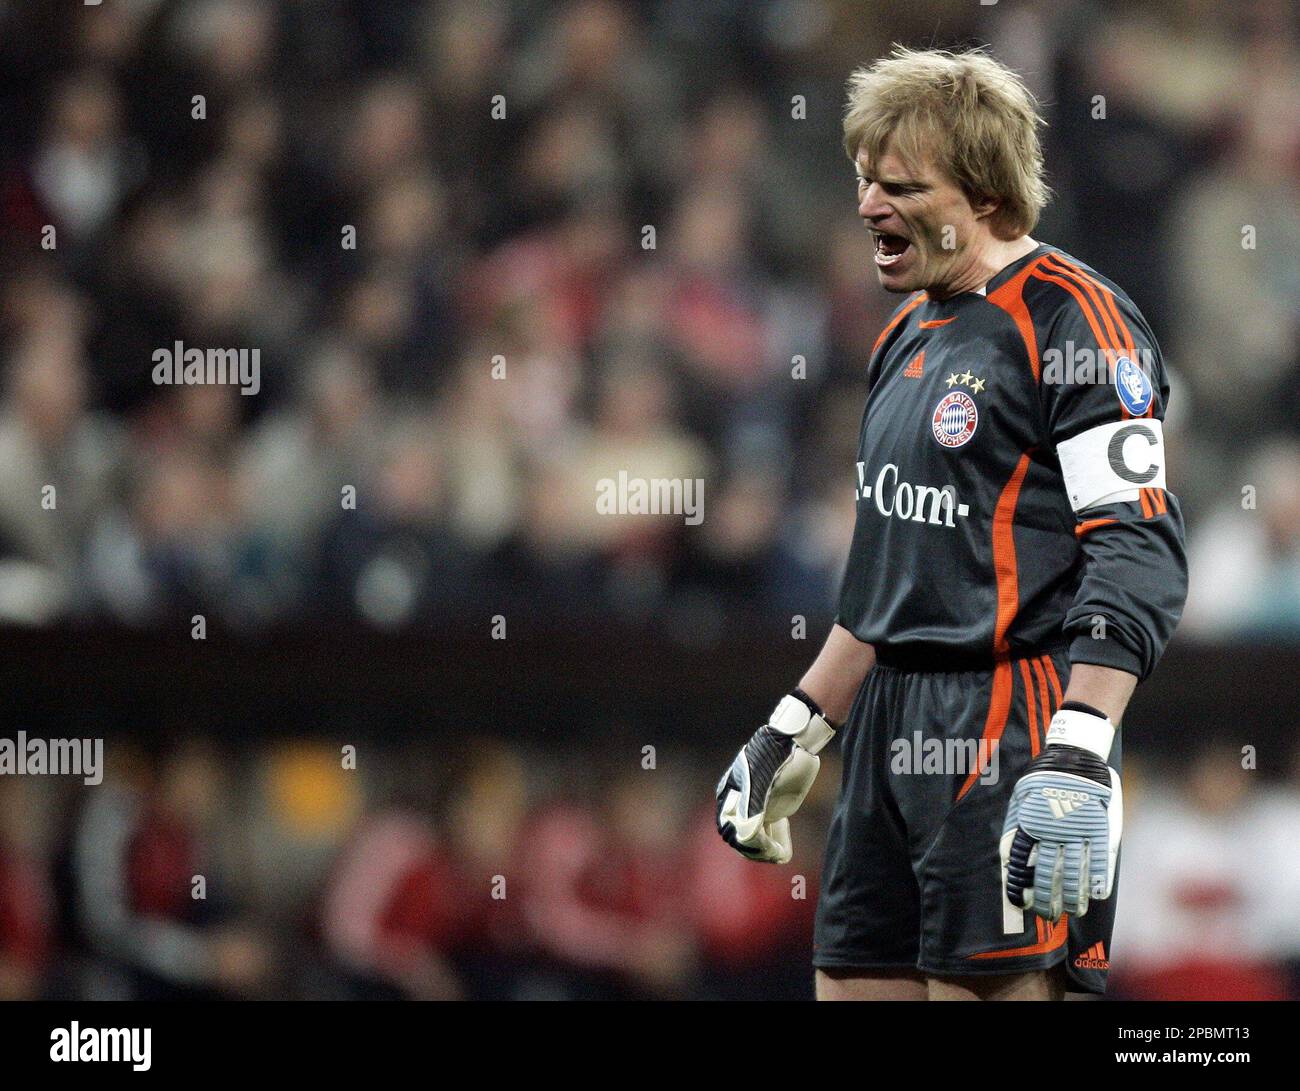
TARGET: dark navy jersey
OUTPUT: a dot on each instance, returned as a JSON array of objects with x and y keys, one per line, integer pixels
[{"x": 1011, "y": 491}]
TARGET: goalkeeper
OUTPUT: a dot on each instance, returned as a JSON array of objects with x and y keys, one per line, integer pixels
[{"x": 1017, "y": 568}]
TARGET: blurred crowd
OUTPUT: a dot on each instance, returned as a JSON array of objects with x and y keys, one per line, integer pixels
[
  {"x": 492, "y": 252},
  {"x": 324, "y": 879},
  {"x": 281, "y": 872}
]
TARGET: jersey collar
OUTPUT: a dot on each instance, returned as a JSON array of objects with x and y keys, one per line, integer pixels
[
  {"x": 1007, "y": 272},
  {"x": 999, "y": 278}
]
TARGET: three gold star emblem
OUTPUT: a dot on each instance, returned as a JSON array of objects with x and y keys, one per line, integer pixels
[{"x": 966, "y": 379}]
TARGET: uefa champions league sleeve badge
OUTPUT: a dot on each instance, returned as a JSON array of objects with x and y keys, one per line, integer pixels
[{"x": 1132, "y": 386}]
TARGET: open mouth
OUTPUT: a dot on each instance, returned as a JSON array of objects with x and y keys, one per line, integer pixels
[{"x": 890, "y": 248}]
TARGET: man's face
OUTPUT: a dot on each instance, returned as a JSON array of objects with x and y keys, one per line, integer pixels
[{"x": 925, "y": 228}]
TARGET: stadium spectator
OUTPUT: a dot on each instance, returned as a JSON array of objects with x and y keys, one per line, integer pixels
[{"x": 1197, "y": 925}]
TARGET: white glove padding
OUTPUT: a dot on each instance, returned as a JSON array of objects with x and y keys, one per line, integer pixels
[{"x": 770, "y": 778}]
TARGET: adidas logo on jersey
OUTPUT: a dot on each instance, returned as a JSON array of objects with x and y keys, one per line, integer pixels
[
  {"x": 913, "y": 370},
  {"x": 1094, "y": 958}
]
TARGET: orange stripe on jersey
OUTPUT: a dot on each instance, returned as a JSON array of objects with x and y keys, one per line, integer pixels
[
  {"x": 1046, "y": 703},
  {"x": 1055, "y": 679},
  {"x": 1004, "y": 567},
  {"x": 996, "y": 721},
  {"x": 1108, "y": 297},
  {"x": 935, "y": 323},
  {"x": 1060, "y": 930},
  {"x": 908, "y": 308},
  {"x": 1146, "y": 504},
  {"x": 1109, "y": 351},
  {"x": 1010, "y": 298},
  {"x": 1004, "y": 555},
  {"x": 1126, "y": 335},
  {"x": 1075, "y": 281},
  {"x": 1032, "y": 707},
  {"x": 1099, "y": 302},
  {"x": 1089, "y": 525}
]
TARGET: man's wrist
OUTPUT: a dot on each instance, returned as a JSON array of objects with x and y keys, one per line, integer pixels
[
  {"x": 1082, "y": 725},
  {"x": 799, "y": 717},
  {"x": 813, "y": 705}
]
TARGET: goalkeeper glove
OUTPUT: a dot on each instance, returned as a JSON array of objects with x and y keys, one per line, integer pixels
[
  {"x": 770, "y": 778},
  {"x": 1060, "y": 841}
]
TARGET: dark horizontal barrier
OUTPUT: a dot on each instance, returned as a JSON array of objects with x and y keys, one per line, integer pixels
[{"x": 581, "y": 681}]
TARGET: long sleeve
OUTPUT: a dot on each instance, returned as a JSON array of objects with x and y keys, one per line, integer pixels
[{"x": 1104, "y": 392}]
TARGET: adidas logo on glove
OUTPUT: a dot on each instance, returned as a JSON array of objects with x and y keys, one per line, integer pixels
[{"x": 1063, "y": 801}]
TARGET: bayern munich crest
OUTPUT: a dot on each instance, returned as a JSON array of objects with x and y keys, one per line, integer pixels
[{"x": 955, "y": 418}]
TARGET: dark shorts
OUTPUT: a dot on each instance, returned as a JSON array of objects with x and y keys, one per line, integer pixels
[{"x": 912, "y": 876}]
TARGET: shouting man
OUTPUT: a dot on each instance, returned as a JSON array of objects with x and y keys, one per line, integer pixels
[{"x": 1017, "y": 568}]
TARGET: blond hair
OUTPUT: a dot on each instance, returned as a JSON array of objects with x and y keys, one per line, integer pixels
[{"x": 969, "y": 114}]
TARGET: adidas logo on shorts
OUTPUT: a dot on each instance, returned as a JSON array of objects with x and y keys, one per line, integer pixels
[{"x": 1094, "y": 958}]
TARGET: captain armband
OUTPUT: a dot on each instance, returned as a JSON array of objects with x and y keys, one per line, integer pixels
[{"x": 1110, "y": 463}]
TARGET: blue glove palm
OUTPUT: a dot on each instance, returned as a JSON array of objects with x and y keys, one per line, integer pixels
[{"x": 1060, "y": 841}]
